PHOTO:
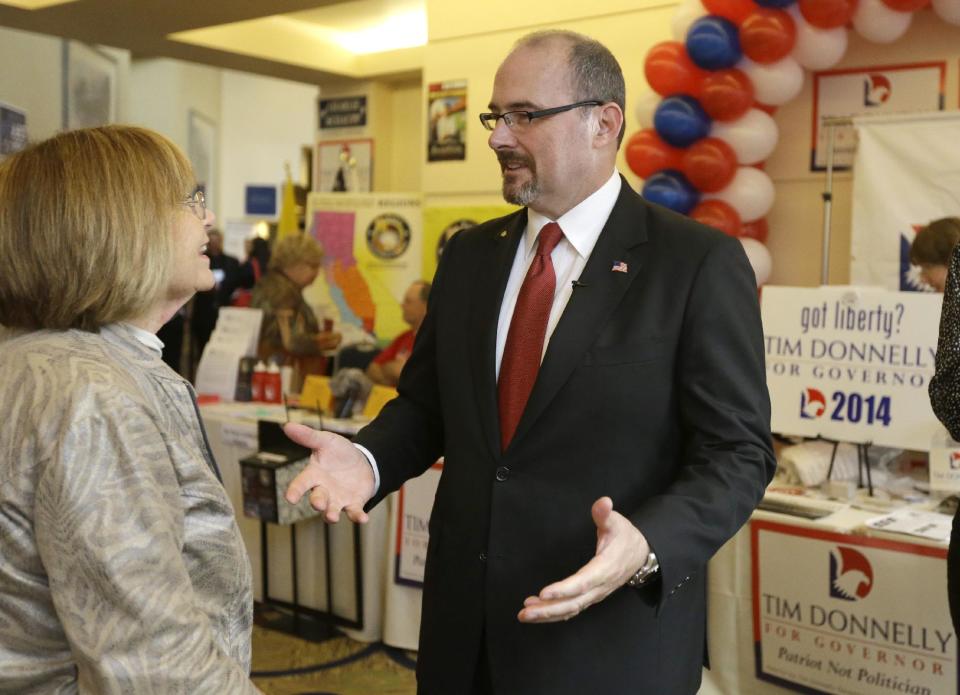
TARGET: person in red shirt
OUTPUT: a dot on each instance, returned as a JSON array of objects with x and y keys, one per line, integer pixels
[{"x": 385, "y": 367}]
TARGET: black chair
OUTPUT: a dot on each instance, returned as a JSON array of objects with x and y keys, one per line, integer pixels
[{"x": 358, "y": 356}]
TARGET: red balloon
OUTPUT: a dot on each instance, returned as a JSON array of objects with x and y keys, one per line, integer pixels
[
  {"x": 709, "y": 164},
  {"x": 647, "y": 154},
  {"x": 719, "y": 215},
  {"x": 756, "y": 230},
  {"x": 726, "y": 94},
  {"x": 906, "y": 5},
  {"x": 767, "y": 35},
  {"x": 827, "y": 14},
  {"x": 670, "y": 71},
  {"x": 734, "y": 10}
]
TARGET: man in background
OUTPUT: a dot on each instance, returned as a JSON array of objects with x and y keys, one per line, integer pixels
[{"x": 386, "y": 367}]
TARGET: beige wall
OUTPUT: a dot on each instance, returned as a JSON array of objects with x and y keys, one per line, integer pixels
[
  {"x": 395, "y": 123},
  {"x": 469, "y": 41}
]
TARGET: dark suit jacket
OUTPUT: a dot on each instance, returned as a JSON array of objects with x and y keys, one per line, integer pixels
[
  {"x": 945, "y": 400},
  {"x": 652, "y": 391}
]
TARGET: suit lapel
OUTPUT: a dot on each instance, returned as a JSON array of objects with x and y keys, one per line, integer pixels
[
  {"x": 590, "y": 306},
  {"x": 494, "y": 271}
]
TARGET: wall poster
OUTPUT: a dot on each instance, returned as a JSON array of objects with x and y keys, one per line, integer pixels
[{"x": 447, "y": 125}]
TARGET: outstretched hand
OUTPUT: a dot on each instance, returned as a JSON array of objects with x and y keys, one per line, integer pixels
[
  {"x": 338, "y": 476},
  {"x": 621, "y": 550}
]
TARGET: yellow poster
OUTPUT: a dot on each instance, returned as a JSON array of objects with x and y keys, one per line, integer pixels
[
  {"x": 372, "y": 252},
  {"x": 442, "y": 222}
]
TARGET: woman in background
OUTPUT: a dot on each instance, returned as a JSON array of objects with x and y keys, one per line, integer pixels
[
  {"x": 123, "y": 570},
  {"x": 290, "y": 333},
  {"x": 931, "y": 250}
]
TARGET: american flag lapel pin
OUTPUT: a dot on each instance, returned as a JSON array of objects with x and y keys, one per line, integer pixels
[{"x": 619, "y": 267}]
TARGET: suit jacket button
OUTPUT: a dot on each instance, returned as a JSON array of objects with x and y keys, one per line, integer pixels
[
  {"x": 502, "y": 474},
  {"x": 483, "y": 557}
]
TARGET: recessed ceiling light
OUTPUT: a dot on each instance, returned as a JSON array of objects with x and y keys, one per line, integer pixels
[
  {"x": 34, "y": 4},
  {"x": 402, "y": 30}
]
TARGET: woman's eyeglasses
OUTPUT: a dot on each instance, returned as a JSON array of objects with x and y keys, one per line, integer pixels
[{"x": 198, "y": 203}]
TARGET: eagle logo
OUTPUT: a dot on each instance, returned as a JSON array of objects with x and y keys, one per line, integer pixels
[
  {"x": 812, "y": 404},
  {"x": 851, "y": 576},
  {"x": 876, "y": 89}
]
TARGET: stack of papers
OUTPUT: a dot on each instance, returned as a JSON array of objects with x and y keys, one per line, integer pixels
[{"x": 930, "y": 525}]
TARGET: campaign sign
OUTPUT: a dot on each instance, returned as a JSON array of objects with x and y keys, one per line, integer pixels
[
  {"x": 835, "y": 613},
  {"x": 852, "y": 363},
  {"x": 415, "y": 501},
  {"x": 873, "y": 91}
]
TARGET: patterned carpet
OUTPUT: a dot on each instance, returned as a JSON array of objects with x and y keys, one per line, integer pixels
[{"x": 287, "y": 665}]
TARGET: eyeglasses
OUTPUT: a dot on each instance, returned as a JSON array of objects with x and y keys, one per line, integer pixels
[
  {"x": 198, "y": 203},
  {"x": 521, "y": 119}
]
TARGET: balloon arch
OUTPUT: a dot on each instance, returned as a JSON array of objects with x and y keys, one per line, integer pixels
[{"x": 707, "y": 124}]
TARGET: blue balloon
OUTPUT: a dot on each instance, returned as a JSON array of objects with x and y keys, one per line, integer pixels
[
  {"x": 775, "y": 4},
  {"x": 671, "y": 189},
  {"x": 681, "y": 121},
  {"x": 714, "y": 43}
]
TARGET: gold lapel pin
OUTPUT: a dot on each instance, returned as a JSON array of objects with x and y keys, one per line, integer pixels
[{"x": 503, "y": 233}]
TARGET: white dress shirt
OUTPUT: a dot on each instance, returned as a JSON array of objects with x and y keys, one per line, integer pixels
[{"x": 581, "y": 227}]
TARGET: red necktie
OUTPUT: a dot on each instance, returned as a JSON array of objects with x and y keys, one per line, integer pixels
[{"x": 524, "y": 346}]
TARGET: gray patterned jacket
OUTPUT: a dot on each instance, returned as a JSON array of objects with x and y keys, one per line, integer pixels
[{"x": 122, "y": 569}]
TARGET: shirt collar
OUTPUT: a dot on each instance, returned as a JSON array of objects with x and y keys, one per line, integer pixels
[
  {"x": 146, "y": 338},
  {"x": 581, "y": 224}
]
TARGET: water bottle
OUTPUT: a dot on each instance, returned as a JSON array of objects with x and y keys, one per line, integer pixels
[
  {"x": 272, "y": 384},
  {"x": 258, "y": 381}
]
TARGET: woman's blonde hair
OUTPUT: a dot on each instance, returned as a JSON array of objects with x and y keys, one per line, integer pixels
[
  {"x": 294, "y": 249},
  {"x": 86, "y": 227}
]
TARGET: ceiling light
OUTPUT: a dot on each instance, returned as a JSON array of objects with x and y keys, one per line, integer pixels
[
  {"x": 34, "y": 4},
  {"x": 396, "y": 31}
]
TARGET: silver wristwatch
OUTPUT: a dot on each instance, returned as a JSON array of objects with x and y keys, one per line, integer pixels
[{"x": 650, "y": 567}]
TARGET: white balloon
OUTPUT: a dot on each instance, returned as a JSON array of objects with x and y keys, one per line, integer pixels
[
  {"x": 646, "y": 104},
  {"x": 817, "y": 49},
  {"x": 750, "y": 193},
  {"x": 774, "y": 83},
  {"x": 876, "y": 22},
  {"x": 687, "y": 13},
  {"x": 753, "y": 136},
  {"x": 759, "y": 258},
  {"x": 947, "y": 10}
]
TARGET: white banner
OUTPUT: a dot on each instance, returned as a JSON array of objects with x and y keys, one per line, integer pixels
[
  {"x": 413, "y": 520},
  {"x": 834, "y": 613},
  {"x": 906, "y": 173},
  {"x": 852, "y": 363}
]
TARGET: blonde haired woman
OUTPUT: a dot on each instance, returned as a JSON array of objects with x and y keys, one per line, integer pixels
[
  {"x": 290, "y": 332},
  {"x": 123, "y": 568}
]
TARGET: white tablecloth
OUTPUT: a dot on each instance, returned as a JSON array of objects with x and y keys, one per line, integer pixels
[{"x": 231, "y": 429}]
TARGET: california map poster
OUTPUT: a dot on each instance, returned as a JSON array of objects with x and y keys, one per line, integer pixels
[
  {"x": 372, "y": 246},
  {"x": 852, "y": 615}
]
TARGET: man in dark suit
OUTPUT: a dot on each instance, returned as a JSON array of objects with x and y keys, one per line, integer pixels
[
  {"x": 206, "y": 305},
  {"x": 592, "y": 369}
]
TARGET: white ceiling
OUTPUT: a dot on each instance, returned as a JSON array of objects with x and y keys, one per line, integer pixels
[{"x": 317, "y": 41}]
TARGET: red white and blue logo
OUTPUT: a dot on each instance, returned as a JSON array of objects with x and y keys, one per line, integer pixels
[
  {"x": 851, "y": 575},
  {"x": 812, "y": 404},
  {"x": 876, "y": 89},
  {"x": 954, "y": 460}
]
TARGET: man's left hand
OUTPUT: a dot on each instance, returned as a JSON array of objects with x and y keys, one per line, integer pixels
[{"x": 621, "y": 550}]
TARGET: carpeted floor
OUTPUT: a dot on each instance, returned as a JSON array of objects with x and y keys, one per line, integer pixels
[{"x": 287, "y": 665}]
